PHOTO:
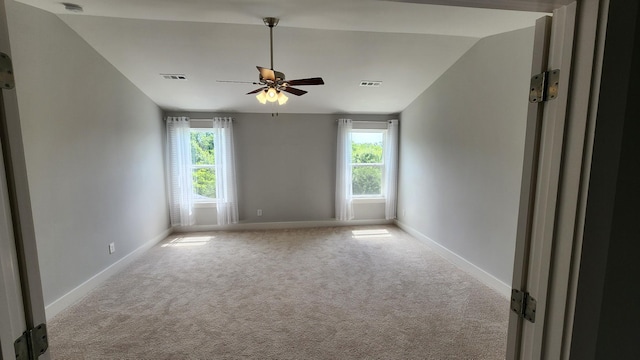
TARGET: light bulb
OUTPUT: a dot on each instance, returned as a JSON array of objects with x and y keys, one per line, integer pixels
[
  {"x": 282, "y": 98},
  {"x": 262, "y": 97},
  {"x": 272, "y": 95}
]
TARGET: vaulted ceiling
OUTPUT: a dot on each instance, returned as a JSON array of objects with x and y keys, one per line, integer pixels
[{"x": 405, "y": 45}]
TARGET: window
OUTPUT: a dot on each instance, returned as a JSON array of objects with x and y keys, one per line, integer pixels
[
  {"x": 203, "y": 166},
  {"x": 366, "y": 166},
  {"x": 367, "y": 163}
]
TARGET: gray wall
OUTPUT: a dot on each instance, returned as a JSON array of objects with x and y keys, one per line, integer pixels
[
  {"x": 286, "y": 167},
  {"x": 93, "y": 147},
  {"x": 461, "y": 151}
]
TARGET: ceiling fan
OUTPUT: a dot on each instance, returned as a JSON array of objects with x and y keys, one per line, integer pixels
[{"x": 274, "y": 82}]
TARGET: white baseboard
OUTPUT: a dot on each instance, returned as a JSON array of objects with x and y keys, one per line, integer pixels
[
  {"x": 83, "y": 289},
  {"x": 282, "y": 225},
  {"x": 468, "y": 267}
]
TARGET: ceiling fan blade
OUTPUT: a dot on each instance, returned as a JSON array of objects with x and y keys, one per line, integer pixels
[
  {"x": 309, "y": 81},
  {"x": 238, "y": 82},
  {"x": 257, "y": 90},
  {"x": 294, "y": 91},
  {"x": 266, "y": 74}
]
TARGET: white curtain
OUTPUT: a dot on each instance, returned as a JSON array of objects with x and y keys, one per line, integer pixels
[
  {"x": 344, "y": 196},
  {"x": 391, "y": 169},
  {"x": 179, "y": 171},
  {"x": 226, "y": 194}
]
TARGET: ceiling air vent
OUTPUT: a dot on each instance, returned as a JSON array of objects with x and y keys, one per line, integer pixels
[
  {"x": 72, "y": 7},
  {"x": 370, "y": 83},
  {"x": 182, "y": 77}
]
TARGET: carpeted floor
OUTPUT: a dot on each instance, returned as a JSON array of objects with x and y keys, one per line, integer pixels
[{"x": 323, "y": 293}]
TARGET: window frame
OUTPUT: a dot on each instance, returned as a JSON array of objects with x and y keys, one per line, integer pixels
[
  {"x": 371, "y": 198},
  {"x": 209, "y": 202}
]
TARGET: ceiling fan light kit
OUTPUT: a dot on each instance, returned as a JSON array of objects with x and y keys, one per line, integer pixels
[
  {"x": 274, "y": 83},
  {"x": 271, "y": 95}
]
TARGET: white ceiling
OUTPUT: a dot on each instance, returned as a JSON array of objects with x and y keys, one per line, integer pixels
[{"x": 405, "y": 45}]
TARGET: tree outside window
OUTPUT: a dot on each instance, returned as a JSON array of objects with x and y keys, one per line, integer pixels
[
  {"x": 367, "y": 163},
  {"x": 203, "y": 165}
]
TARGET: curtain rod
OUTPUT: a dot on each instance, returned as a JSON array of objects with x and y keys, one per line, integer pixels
[
  {"x": 207, "y": 119},
  {"x": 369, "y": 121}
]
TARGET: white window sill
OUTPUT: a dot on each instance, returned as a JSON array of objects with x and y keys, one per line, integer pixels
[
  {"x": 368, "y": 200},
  {"x": 208, "y": 204}
]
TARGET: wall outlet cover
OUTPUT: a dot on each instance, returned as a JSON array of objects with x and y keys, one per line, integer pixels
[{"x": 112, "y": 248}]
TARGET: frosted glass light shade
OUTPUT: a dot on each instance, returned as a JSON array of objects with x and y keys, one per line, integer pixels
[
  {"x": 262, "y": 97},
  {"x": 282, "y": 98},
  {"x": 272, "y": 95}
]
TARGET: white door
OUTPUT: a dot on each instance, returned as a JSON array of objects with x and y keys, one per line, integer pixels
[
  {"x": 12, "y": 321},
  {"x": 544, "y": 146},
  {"x": 21, "y": 301}
]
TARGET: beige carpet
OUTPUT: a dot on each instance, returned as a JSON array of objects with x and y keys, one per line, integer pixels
[{"x": 324, "y": 293}]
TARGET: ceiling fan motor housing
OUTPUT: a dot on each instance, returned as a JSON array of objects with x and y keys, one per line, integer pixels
[{"x": 279, "y": 75}]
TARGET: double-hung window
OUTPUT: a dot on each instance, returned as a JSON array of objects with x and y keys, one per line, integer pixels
[
  {"x": 366, "y": 166},
  {"x": 367, "y": 163},
  {"x": 203, "y": 165}
]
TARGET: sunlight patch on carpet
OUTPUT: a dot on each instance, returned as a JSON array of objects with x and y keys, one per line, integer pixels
[
  {"x": 371, "y": 234},
  {"x": 189, "y": 241}
]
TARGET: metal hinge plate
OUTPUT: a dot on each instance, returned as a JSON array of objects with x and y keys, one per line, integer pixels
[
  {"x": 6, "y": 72},
  {"x": 544, "y": 86},
  {"x": 523, "y": 304},
  {"x": 32, "y": 343}
]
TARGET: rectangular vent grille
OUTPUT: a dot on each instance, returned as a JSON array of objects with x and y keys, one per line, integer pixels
[
  {"x": 370, "y": 83},
  {"x": 182, "y": 77}
]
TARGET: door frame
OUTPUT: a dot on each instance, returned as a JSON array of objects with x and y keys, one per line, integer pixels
[{"x": 575, "y": 170}]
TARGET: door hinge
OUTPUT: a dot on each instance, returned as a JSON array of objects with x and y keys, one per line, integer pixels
[
  {"x": 523, "y": 304},
  {"x": 544, "y": 86},
  {"x": 6, "y": 72},
  {"x": 32, "y": 343}
]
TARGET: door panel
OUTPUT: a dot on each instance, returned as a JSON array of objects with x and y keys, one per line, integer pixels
[
  {"x": 528, "y": 186},
  {"x": 19, "y": 259},
  {"x": 540, "y": 186},
  {"x": 12, "y": 322},
  {"x": 549, "y": 170}
]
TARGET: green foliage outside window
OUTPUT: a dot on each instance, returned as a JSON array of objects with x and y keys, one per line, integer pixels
[
  {"x": 202, "y": 154},
  {"x": 367, "y": 179}
]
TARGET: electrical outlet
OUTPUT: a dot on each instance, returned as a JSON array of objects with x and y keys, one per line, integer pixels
[
  {"x": 259, "y": 212},
  {"x": 112, "y": 248},
  {"x": 404, "y": 212}
]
